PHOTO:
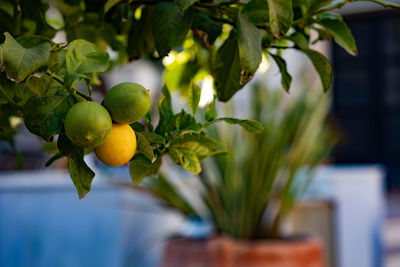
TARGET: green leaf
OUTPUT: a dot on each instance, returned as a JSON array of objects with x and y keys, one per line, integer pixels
[
  {"x": 194, "y": 93},
  {"x": 19, "y": 62},
  {"x": 84, "y": 57},
  {"x": 44, "y": 115},
  {"x": 299, "y": 39},
  {"x": 286, "y": 79},
  {"x": 140, "y": 167},
  {"x": 322, "y": 65},
  {"x": 251, "y": 126},
  {"x": 186, "y": 158},
  {"x": 229, "y": 77},
  {"x": 109, "y": 4},
  {"x": 211, "y": 112},
  {"x": 317, "y": 4},
  {"x": 170, "y": 26},
  {"x": 202, "y": 145},
  {"x": 154, "y": 138},
  {"x": 280, "y": 16},
  {"x": 184, "y": 4},
  {"x": 184, "y": 122},
  {"x": 17, "y": 93},
  {"x": 140, "y": 39},
  {"x": 205, "y": 30},
  {"x": 81, "y": 174},
  {"x": 339, "y": 30},
  {"x": 144, "y": 147},
  {"x": 44, "y": 85},
  {"x": 202, "y": 139},
  {"x": 249, "y": 45},
  {"x": 257, "y": 11},
  {"x": 71, "y": 79},
  {"x": 137, "y": 127},
  {"x": 1, "y": 54},
  {"x": 165, "y": 111}
]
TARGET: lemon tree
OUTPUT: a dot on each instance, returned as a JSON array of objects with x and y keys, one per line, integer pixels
[{"x": 224, "y": 40}]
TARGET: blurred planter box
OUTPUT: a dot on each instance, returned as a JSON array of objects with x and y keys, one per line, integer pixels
[
  {"x": 345, "y": 207},
  {"x": 223, "y": 251}
]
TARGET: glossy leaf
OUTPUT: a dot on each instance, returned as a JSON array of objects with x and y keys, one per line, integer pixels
[
  {"x": 84, "y": 57},
  {"x": 286, "y": 79},
  {"x": 44, "y": 115},
  {"x": 109, "y": 4},
  {"x": 19, "y": 61},
  {"x": 205, "y": 29},
  {"x": 211, "y": 112},
  {"x": 140, "y": 39},
  {"x": 72, "y": 79},
  {"x": 251, "y": 126},
  {"x": 202, "y": 145},
  {"x": 140, "y": 167},
  {"x": 299, "y": 39},
  {"x": 322, "y": 65},
  {"x": 280, "y": 16},
  {"x": 257, "y": 11},
  {"x": 165, "y": 111},
  {"x": 227, "y": 71},
  {"x": 186, "y": 158},
  {"x": 144, "y": 147},
  {"x": 184, "y": 122},
  {"x": 170, "y": 26},
  {"x": 249, "y": 45},
  {"x": 194, "y": 93},
  {"x": 81, "y": 174},
  {"x": 184, "y": 4},
  {"x": 154, "y": 138},
  {"x": 339, "y": 30},
  {"x": 43, "y": 86},
  {"x": 11, "y": 92}
]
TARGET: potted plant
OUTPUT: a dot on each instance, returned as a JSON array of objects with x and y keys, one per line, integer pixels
[{"x": 250, "y": 191}]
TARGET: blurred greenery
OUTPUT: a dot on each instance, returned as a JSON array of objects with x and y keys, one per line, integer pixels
[{"x": 250, "y": 191}]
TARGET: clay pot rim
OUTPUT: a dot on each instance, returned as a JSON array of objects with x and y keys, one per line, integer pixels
[{"x": 285, "y": 240}]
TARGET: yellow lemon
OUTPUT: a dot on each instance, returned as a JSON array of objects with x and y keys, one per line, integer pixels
[{"x": 120, "y": 146}]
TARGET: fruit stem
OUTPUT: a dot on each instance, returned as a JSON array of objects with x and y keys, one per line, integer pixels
[{"x": 73, "y": 91}]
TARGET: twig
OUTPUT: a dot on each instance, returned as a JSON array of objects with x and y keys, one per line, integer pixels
[{"x": 73, "y": 91}]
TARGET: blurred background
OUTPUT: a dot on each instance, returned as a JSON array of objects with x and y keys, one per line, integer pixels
[{"x": 353, "y": 204}]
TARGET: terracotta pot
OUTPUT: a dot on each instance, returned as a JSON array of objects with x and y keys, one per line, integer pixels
[{"x": 226, "y": 252}]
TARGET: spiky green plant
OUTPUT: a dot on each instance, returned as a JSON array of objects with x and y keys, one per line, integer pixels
[{"x": 250, "y": 190}]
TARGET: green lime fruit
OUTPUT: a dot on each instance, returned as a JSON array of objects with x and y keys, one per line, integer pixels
[
  {"x": 88, "y": 124},
  {"x": 127, "y": 102}
]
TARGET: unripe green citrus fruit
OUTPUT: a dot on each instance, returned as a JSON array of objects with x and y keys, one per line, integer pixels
[
  {"x": 127, "y": 102},
  {"x": 88, "y": 124}
]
